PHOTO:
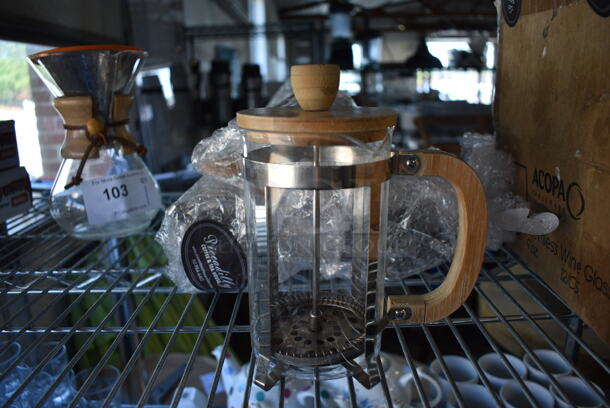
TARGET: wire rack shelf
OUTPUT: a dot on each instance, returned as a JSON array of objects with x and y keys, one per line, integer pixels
[{"x": 78, "y": 293}]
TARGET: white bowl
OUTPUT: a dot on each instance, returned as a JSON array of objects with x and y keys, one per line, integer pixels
[
  {"x": 431, "y": 387},
  {"x": 460, "y": 369},
  {"x": 515, "y": 397},
  {"x": 553, "y": 362},
  {"x": 473, "y": 395},
  {"x": 578, "y": 392},
  {"x": 497, "y": 371}
]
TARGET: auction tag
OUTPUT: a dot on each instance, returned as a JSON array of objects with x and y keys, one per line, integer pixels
[{"x": 115, "y": 198}]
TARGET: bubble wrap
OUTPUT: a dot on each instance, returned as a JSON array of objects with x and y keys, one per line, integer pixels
[
  {"x": 220, "y": 154},
  {"x": 210, "y": 198},
  {"x": 423, "y": 216},
  {"x": 422, "y": 225},
  {"x": 495, "y": 169},
  {"x": 295, "y": 232},
  {"x": 507, "y": 212},
  {"x": 338, "y": 224}
]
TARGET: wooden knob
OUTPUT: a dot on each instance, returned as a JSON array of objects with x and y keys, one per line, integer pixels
[
  {"x": 315, "y": 86},
  {"x": 94, "y": 126}
]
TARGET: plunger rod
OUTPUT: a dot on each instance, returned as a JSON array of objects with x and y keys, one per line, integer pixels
[{"x": 315, "y": 323}]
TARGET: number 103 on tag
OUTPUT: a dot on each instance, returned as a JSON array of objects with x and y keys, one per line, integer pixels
[
  {"x": 118, "y": 197},
  {"x": 116, "y": 192}
]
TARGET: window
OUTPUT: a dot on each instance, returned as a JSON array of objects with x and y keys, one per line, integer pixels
[
  {"x": 459, "y": 84},
  {"x": 24, "y": 99}
]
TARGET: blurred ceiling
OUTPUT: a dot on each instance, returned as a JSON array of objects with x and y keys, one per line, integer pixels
[{"x": 401, "y": 15}]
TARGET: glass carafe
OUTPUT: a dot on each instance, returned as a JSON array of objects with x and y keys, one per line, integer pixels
[
  {"x": 68, "y": 205},
  {"x": 317, "y": 185},
  {"x": 92, "y": 86}
]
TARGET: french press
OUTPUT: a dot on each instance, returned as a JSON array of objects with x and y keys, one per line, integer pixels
[{"x": 318, "y": 178}]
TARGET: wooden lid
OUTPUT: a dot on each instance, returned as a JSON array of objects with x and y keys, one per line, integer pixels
[
  {"x": 293, "y": 119},
  {"x": 315, "y": 88}
]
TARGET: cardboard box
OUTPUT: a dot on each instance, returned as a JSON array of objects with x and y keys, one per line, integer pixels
[
  {"x": 9, "y": 157},
  {"x": 552, "y": 112},
  {"x": 15, "y": 192}
]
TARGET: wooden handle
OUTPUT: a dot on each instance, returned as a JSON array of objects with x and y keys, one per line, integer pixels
[
  {"x": 471, "y": 239},
  {"x": 315, "y": 86}
]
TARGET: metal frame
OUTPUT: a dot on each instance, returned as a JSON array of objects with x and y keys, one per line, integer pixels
[
  {"x": 29, "y": 292},
  {"x": 314, "y": 31}
]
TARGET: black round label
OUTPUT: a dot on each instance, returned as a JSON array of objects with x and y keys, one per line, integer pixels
[
  {"x": 601, "y": 7},
  {"x": 212, "y": 258},
  {"x": 511, "y": 9}
]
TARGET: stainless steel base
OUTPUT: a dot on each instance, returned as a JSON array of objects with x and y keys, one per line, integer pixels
[{"x": 340, "y": 337}]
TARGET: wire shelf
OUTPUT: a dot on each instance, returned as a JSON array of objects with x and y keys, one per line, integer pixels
[{"x": 52, "y": 286}]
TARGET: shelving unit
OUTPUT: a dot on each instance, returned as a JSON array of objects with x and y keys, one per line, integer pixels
[{"x": 46, "y": 275}]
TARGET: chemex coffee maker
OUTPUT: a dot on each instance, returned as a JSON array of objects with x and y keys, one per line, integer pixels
[
  {"x": 307, "y": 323},
  {"x": 92, "y": 88}
]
